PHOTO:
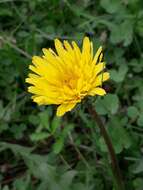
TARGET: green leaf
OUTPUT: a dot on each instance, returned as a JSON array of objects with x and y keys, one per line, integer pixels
[
  {"x": 3, "y": 127},
  {"x": 5, "y": 12},
  {"x": 111, "y": 102},
  {"x": 119, "y": 75},
  {"x": 120, "y": 139},
  {"x": 132, "y": 112},
  {"x": 100, "y": 108},
  {"x": 5, "y": 187},
  {"x": 34, "y": 119},
  {"x": 111, "y": 6},
  {"x": 137, "y": 65},
  {"x": 108, "y": 104},
  {"x": 16, "y": 149},
  {"x": 138, "y": 183},
  {"x": 67, "y": 129},
  {"x": 22, "y": 183},
  {"x": 57, "y": 147},
  {"x": 139, "y": 167},
  {"x": 67, "y": 178},
  {"x": 123, "y": 33},
  {"x": 44, "y": 119},
  {"x": 127, "y": 30},
  {"x": 139, "y": 27},
  {"x": 56, "y": 122},
  {"x": 140, "y": 120},
  {"x": 39, "y": 136},
  {"x": 18, "y": 130},
  {"x": 2, "y": 110}
]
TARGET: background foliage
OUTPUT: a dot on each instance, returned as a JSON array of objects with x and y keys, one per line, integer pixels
[{"x": 39, "y": 151}]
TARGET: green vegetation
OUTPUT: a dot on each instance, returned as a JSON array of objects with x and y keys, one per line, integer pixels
[{"x": 39, "y": 151}]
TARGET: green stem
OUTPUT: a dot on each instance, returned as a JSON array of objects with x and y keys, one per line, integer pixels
[
  {"x": 78, "y": 151},
  {"x": 114, "y": 162}
]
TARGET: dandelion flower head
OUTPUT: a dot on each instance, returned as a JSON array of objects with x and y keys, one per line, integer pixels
[{"x": 67, "y": 76}]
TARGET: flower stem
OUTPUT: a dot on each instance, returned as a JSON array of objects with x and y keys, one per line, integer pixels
[{"x": 114, "y": 163}]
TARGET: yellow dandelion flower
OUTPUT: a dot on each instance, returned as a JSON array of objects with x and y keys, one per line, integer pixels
[{"x": 64, "y": 78}]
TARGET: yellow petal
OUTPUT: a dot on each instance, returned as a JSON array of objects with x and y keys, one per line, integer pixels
[
  {"x": 97, "y": 55},
  {"x": 77, "y": 51},
  {"x": 54, "y": 61},
  {"x": 36, "y": 60},
  {"x": 98, "y": 68},
  {"x": 34, "y": 69},
  {"x": 97, "y": 91},
  {"x": 47, "y": 92},
  {"x": 100, "y": 57},
  {"x": 86, "y": 45},
  {"x": 80, "y": 83},
  {"x": 31, "y": 75},
  {"x": 63, "y": 108},
  {"x": 59, "y": 48},
  {"x": 41, "y": 67},
  {"x": 34, "y": 90},
  {"x": 101, "y": 78},
  {"x": 67, "y": 46},
  {"x": 43, "y": 100},
  {"x": 66, "y": 54},
  {"x": 91, "y": 49}
]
